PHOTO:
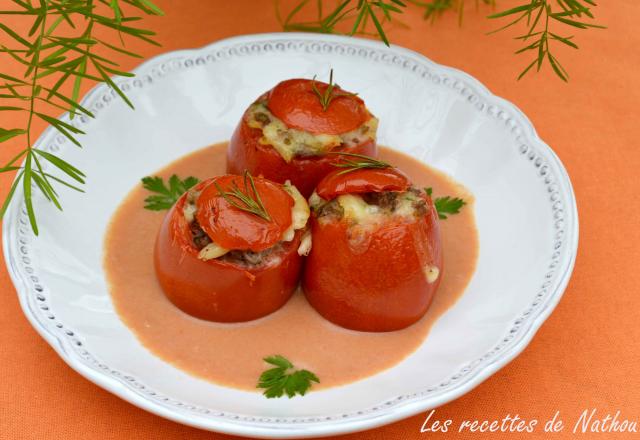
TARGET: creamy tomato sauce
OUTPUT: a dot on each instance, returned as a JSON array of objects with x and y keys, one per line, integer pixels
[{"x": 231, "y": 354}]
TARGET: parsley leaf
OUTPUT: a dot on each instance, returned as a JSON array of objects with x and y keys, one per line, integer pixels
[
  {"x": 166, "y": 195},
  {"x": 446, "y": 205},
  {"x": 280, "y": 380}
]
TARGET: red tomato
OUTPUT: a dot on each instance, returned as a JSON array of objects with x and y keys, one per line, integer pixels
[
  {"x": 296, "y": 104},
  {"x": 362, "y": 181},
  {"x": 233, "y": 228},
  {"x": 217, "y": 290},
  {"x": 374, "y": 278},
  {"x": 247, "y": 153}
]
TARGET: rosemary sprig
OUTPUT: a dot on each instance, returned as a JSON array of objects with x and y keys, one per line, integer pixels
[
  {"x": 351, "y": 17},
  {"x": 58, "y": 53},
  {"x": 354, "y": 164},
  {"x": 248, "y": 199},
  {"x": 330, "y": 93}
]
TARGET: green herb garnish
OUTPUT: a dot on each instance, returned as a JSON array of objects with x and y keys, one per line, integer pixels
[
  {"x": 281, "y": 380},
  {"x": 540, "y": 18},
  {"x": 330, "y": 93},
  {"x": 47, "y": 56},
  {"x": 166, "y": 195},
  {"x": 446, "y": 205},
  {"x": 247, "y": 200},
  {"x": 544, "y": 24},
  {"x": 359, "y": 162}
]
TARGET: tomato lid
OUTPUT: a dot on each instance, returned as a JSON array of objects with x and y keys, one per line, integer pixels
[
  {"x": 236, "y": 229},
  {"x": 364, "y": 180},
  {"x": 295, "y": 102}
]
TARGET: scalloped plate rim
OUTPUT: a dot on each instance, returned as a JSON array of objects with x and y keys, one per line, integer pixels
[{"x": 308, "y": 429}]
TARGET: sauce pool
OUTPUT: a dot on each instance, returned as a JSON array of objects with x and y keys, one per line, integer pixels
[{"x": 231, "y": 354}]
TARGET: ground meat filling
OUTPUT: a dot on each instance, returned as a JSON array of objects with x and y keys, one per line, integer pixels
[
  {"x": 244, "y": 258},
  {"x": 199, "y": 237},
  {"x": 254, "y": 259},
  {"x": 376, "y": 204},
  {"x": 385, "y": 200},
  {"x": 419, "y": 204},
  {"x": 331, "y": 209},
  {"x": 262, "y": 118}
]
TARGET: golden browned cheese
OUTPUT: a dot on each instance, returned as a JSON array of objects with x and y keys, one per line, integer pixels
[{"x": 231, "y": 354}]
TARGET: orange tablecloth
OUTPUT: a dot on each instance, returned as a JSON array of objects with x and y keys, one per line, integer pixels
[{"x": 585, "y": 356}]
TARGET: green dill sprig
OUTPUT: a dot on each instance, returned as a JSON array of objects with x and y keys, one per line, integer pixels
[
  {"x": 359, "y": 162},
  {"x": 247, "y": 199},
  {"x": 281, "y": 380},
  {"x": 60, "y": 46},
  {"x": 446, "y": 205},
  {"x": 330, "y": 93},
  {"x": 166, "y": 195}
]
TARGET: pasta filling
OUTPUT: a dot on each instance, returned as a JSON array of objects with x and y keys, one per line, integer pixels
[{"x": 291, "y": 143}]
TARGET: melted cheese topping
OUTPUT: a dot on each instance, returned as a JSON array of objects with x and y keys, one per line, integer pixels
[
  {"x": 290, "y": 142},
  {"x": 211, "y": 251},
  {"x": 431, "y": 273},
  {"x": 357, "y": 211},
  {"x": 305, "y": 244},
  {"x": 299, "y": 213}
]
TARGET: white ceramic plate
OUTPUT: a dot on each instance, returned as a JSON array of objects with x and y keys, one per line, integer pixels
[{"x": 525, "y": 208}]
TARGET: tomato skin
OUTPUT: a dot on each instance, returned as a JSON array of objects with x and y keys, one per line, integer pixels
[
  {"x": 296, "y": 104},
  {"x": 246, "y": 152},
  {"x": 362, "y": 181},
  {"x": 216, "y": 290},
  {"x": 232, "y": 228},
  {"x": 377, "y": 285}
]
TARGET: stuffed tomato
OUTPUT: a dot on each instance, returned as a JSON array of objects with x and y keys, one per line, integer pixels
[
  {"x": 376, "y": 260},
  {"x": 231, "y": 248},
  {"x": 288, "y": 133}
]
